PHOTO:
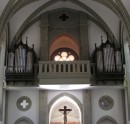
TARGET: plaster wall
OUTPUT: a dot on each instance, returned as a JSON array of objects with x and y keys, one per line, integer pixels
[
  {"x": 77, "y": 94},
  {"x": 66, "y": 4},
  {"x": 107, "y": 15},
  {"x": 33, "y": 113},
  {"x": 17, "y": 19},
  {"x": 2, "y": 5},
  {"x": 116, "y": 112},
  {"x": 94, "y": 36},
  {"x": 14, "y": 113},
  {"x": 33, "y": 34},
  {"x": 127, "y": 5}
]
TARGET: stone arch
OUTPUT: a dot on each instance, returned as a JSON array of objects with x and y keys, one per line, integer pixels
[
  {"x": 32, "y": 18},
  {"x": 25, "y": 120},
  {"x": 64, "y": 40},
  {"x": 107, "y": 119},
  {"x": 11, "y": 3},
  {"x": 67, "y": 95}
]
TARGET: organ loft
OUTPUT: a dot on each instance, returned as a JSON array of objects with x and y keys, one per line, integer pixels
[{"x": 64, "y": 62}]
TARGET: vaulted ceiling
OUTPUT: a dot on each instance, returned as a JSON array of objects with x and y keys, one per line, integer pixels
[{"x": 108, "y": 14}]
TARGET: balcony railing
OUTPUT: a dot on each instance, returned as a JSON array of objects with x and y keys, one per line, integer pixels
[
  {"x": 64, "y": 72},
  {"x": 64, "y": 67}
]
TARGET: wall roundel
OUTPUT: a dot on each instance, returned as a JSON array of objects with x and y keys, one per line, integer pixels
[
  {"x": 106, "y": 102},
  {"x": 24, "y": 103}
]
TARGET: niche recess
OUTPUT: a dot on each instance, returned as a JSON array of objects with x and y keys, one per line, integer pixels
[
  {"x": 66, "y": 44},
  {"x": 73, "y": 117}
]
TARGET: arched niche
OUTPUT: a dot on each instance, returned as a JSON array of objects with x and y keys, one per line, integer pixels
[
  {"x": 64, "y": 41},
  {"x": 58, "y": 102},
  {"x": 24, "y": 120},
  {"x": 107, "y": 120}
]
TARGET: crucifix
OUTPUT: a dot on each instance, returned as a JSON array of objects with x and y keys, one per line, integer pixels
[{"x": 65, "y": 111}]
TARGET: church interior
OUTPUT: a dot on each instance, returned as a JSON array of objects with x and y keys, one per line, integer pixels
[{"x": 64, "y": 61}]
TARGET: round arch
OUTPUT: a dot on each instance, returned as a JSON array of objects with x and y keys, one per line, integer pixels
[
  {"x": 64, "y": 96},
  {"x": 64, "y": 40}
]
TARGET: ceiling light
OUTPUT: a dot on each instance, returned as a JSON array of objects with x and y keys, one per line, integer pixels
[{"x": 65, "y": 87}]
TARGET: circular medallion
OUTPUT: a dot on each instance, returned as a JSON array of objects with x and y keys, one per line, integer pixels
[
  {"x": 24, "y": 103},
  {"x": 106, "y": 102}
]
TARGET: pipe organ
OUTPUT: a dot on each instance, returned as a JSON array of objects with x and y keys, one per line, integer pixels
[
  {"x": 108, "y": 62},
  {"x": 20, "y": 63}
]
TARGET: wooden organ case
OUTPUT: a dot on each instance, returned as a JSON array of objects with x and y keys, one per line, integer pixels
[
  {"x": 21, "y": 65},
  {"x": 108, "y": 64}
]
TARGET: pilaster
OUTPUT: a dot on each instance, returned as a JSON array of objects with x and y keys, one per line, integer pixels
[
  {"x": 87, "y": 116},
  {"x": 127, "y": 69},
  {"x": 44, "y": 45},
  {"x": 43, "y": 107},
  {"x": 2, "y": 58},
  {"x": 84, "y": 45}
]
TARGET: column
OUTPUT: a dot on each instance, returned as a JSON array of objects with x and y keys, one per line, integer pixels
[
  {"x": 43, "y": 107},
  {"x": 2, "y": 58},
  {"x": 84, "y": 45},
  {"x": 1, "y": 101},
  {"x": 87, "y": 116},
  {"x": 127, "y": 76},
  {"x": 44, "y": 45}
]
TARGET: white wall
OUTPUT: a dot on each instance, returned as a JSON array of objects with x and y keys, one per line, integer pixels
[
  {"x": 2, "y": 5},
  {"x": 94, "y": 36},
  {"x": 33, "y": 113},
  {"x": 33, "y": 34},
  {"x": 77, "y": 94},
  {"x": 107, "y": 15},
  {"x": 116, "y": 112},
  {"x": 111, "y": 19},
  {"x": 17, "y": 20},
  {"x": 14, "y": 113},
  {"x": 127, "y": 5}
]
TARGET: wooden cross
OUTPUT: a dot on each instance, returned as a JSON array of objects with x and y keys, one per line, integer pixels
[
  {"x": 64, "y": 17},
  {"x": 65, "y": 111}
]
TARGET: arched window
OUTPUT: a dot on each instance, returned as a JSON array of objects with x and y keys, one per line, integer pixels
[
  {"x": 64, "y": 54},
  {"x": 64, "y": 48}
]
